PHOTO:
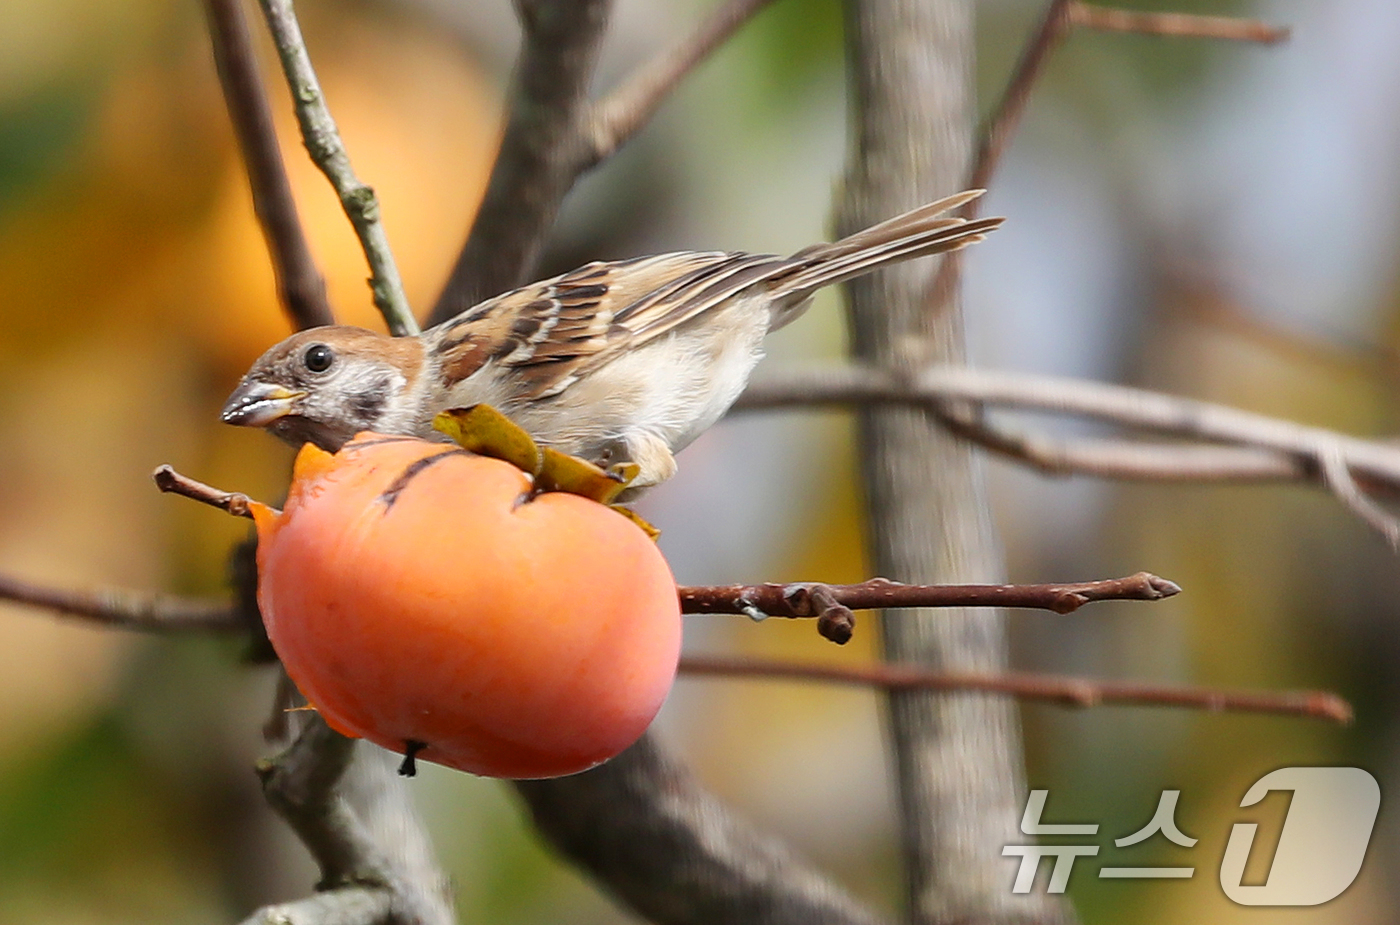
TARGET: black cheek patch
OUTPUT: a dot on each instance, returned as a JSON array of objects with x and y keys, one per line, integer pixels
[{"x": 367, "y": 406}]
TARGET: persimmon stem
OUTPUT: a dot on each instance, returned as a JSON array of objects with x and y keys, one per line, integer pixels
[{"x": 231, "y": 502}]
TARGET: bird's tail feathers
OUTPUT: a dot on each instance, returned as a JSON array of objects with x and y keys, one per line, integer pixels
[{"x": 917, "y": 233}]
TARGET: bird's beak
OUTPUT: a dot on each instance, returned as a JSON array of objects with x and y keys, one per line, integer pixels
[{"x": 258, "y": 404}]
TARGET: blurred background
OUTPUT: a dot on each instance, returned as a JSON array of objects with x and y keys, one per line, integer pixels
[{"x": 1213, "y": 220}]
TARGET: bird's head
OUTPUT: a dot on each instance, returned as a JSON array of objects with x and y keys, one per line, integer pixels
[{"x": 324, "y": 385}]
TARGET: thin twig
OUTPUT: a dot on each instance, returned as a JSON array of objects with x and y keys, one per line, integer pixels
[
  {"x": 553, "y": 134},
  {"x": 1177, "y": 25},
  {"x": 1070, "y": 691},
  {"x": 300, "y": 286},
  {"x": 232, "y": 502},
  {"x": 114, "y": 607},
  {"x": 541, "y": 155},
  {"x": 1338, "y": 479},
  {"x": 1376, "y": 463},
  {"x": 1006, "y": 117},
  {"x": 1133, "y": 459},
  {"x": 1121, "y": 458},
  {"x": 628, "y": 108},
  {"x": 322, "y": 140},
  {"x": 1061, "y": 17},
  {"x": 996, "y": 131}
]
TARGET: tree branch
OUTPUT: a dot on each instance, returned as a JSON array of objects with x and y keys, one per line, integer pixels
[
  {"x": 158, "y": 613},
  {"x": 1303, "y": 450},
  {"x": 143, "y": 610},
  {"x": 322, "y": 140},
  {"x": 1061, "y": 18},
  {"x": 148, "y": 612},
  {"x": 1177, "y": 25},
  {"x": 300, "y": 287},
  {"x": 677, "y": 856},
  {"x": 622, "y": 114},
  {"x": 833, "y": 604},
  {"x": 541, "y": 153},
  {"x": 957, "y": 761},
  {"x": 1069, "y": 691},
  {"x": 997, "y": 130},
  {"x": 553, "y": 134},
  {"x": 1127, "y": 459},
  {"x": 358, "y": 883}
]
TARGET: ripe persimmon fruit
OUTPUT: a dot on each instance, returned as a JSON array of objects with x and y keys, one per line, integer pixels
[{"x": 424, "y": 598}]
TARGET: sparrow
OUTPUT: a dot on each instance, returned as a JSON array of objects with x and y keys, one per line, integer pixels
[{"x": 615, "y": 362}]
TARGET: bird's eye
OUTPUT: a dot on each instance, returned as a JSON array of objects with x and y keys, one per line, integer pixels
[{"x": 318, "y": 358}]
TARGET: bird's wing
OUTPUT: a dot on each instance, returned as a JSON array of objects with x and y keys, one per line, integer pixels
[{"x": 555, "y": 331}]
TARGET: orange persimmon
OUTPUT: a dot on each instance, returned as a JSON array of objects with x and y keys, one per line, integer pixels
[{"x": 422, "y": 598}]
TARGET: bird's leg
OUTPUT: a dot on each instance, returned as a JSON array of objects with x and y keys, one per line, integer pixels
[{"x": 653, "y": 457}]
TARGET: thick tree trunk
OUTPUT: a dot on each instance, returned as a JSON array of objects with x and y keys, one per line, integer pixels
[{"x": 958, "y": 758}]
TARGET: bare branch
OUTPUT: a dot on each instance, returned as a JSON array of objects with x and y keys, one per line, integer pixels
[
  {"x": 1006, "y": 117},
  {"x": 628, "y": 108},
  {"x": 231, "y": 502},
  {"x": 1179, "y": 25},
  {"x": 154, "y": 612},
  {"x": 322, "y": 140},
  {"x": 802, "y": 599},
  {"x": 1069, "y": 691},
  {"x": 642, "y": 825},
  {"x": 1304, "y": 449},
  {"x": 541, "y": 154},
  {"x": 1338, "y": 479},
  {"x": 301, "y": 785},
  {"x": 1061, "y": 17},
  {"x": 300, "y": 286},
  {"x": 157, "y": 613},
  {"x": 553, "y": 134},
  {"x": 1128, "y": 459},
  {"x": 358, "y": 883}
]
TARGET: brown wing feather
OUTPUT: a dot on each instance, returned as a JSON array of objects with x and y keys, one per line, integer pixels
[
  {"x": 552, "y": 332},
  {"x": 556, "y": 330}
]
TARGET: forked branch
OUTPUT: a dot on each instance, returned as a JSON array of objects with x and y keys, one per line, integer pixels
[
  {"x": 1239, "y": 444},
  {"x": 1060, "y": 19},
  {"x": 619, "y": 116},
  {"x": 554, "y": 134}
]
